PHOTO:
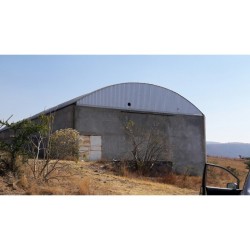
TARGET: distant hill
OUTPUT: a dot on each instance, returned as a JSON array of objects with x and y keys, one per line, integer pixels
[{"x": 232, "y": 150}]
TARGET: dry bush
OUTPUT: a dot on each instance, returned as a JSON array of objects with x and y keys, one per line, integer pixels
[
  {"x": 169, "y": 179},
  {"x": 123, "y": 169},
  {"x": 237, "y": 164},
  {"x": 65, "y": 144},
  {"x": 50, "y": 170},
  {"x": 192, "y": 182},
  {"x": 84, "y": 186},
  {"x": 219, "y": 179},
  {"x": 41, "y": 150},
  {"x": 48, "y": 150},
  {"x": 50, "y": 190},
  {"x": 125, "y": 172},
  {"x": 23, "y": 182},
  {"x": 38, "y": 189},
  {"x": 61, "y": 181},
  {"x": 182, "y": 181},
  {"x": 185, "y": 180}
]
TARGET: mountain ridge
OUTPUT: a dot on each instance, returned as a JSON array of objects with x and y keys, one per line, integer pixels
[{"x": 228, "y": 149}]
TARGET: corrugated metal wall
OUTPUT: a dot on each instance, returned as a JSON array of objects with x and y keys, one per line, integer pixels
[{"x": 139, "y": 97}]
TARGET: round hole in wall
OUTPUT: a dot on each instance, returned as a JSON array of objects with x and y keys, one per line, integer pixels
[{"x": 129, "y": 104}]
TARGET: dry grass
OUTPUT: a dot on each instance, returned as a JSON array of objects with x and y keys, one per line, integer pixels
[
  {"x": 225, "y": 162},
  {"x": 97, "y": 178},
  {"x": 36, "y": 189},
  {"x": 84, "y": 186},
  {"x": 219, "y": 179},
  {"x": 237, "y": 164},
  {"x": 170, "y": 178},
  {"x": 23, "y": 182},
  {"x": 182, "y": 181},
  {"x": 124, "y": 171}
]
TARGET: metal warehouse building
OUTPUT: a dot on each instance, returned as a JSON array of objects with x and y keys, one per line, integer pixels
[{"x": 99, "y": 117}]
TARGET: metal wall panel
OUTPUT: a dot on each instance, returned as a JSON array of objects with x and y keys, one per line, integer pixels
[{"x": 139, "y": 97}]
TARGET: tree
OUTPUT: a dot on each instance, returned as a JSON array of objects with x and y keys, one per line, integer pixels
[
  {"x": 39, "y": 147},
  {"x": 48, "y": 149},
  {"x": 16, "y": 144},
  {"x": 42, "y": 151},
  {"x": 148, "y": 146},
  {"x": 65, "y": 144}
]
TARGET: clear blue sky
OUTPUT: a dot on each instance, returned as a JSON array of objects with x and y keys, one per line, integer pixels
[{"x": 218, "y": 85}]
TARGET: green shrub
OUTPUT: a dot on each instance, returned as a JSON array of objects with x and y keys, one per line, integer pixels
[{"x": 65, "y": 144}]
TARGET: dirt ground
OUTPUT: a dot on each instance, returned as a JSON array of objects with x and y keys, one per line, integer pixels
[
  {"x": 117, "y": 185},
  {"x": 94, "y": 179}
]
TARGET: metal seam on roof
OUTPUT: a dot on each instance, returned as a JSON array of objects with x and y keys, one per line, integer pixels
[
  {"x": 142, "y": 96},
  {"x": 120, "y": 89}
]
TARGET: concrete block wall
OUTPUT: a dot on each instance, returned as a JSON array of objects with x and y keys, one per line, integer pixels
[
  {"x": 184, "y": 134},
  {"x": 64, "y": 118}
]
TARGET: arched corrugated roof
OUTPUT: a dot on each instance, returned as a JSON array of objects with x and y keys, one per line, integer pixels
[
  {"x": 143, "y": 97},
  {"x": 139, "y": 97}
]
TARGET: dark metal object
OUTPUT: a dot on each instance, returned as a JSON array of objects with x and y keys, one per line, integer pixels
[{"x": 205, "y": 190}]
